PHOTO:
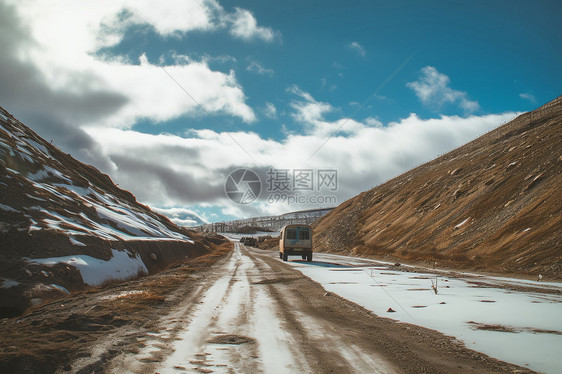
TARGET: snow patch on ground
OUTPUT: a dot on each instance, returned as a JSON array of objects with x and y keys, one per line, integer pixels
[
  {"x": 7, "y": 208},
  {"x": 462, "y": 223},
  {"x": 38, "y": 175},
  {"x": 78, "y": 191},
  {"x": 122, "y": 294},
  {"x": 122, "y": 221},
  {"x": 60, "y": 288},
  {"x": 73, "y": 241},
  {"x": 523, "y": 328},
  {"x": 39, "y": 147},
  {"x": 274, "y": 343},
  {"x": 95, "y": 271},
  {"x": 46, "y": 172},
  {"x": 8, "y": 283}
]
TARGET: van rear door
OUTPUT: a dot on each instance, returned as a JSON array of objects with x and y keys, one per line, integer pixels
[{"x": 298, "y": 237}]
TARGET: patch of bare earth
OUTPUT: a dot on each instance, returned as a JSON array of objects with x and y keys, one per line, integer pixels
[{"x": 503, "y": 328}]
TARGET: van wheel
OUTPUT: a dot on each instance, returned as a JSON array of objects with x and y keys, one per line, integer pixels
[
  {"x": 304, "y": 257},
  {"x": 285, "y": 257},
  {"x": 309, "y": 258}
]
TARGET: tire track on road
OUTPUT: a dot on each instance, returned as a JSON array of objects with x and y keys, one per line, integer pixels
[
  {"x": 325, "y": 346},
  {"x": 230, "y": 309}
]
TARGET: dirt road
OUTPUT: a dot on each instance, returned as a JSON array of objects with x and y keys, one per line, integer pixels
[{"x": 255, "y": 314}]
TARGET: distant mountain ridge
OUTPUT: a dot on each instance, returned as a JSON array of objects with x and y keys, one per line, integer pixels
[
  {"x": 64, "y": 225},
  {"x": 494, "y": 204}
]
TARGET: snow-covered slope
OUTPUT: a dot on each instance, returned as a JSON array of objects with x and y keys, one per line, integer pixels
[{"x": 61, "y": 219}]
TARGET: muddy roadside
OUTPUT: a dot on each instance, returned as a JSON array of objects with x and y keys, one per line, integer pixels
[{"x": 50, "y": 336}]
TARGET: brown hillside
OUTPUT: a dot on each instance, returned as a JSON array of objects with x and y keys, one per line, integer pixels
[
  {"x": 55, "y": 207},
  {"x": 493, "y": 204}
]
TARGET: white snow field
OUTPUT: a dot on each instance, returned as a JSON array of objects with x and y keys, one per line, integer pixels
[{"x": 469, "y": 307}]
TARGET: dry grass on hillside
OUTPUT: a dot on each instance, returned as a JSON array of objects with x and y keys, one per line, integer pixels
[{"x": 493, "y": 205}]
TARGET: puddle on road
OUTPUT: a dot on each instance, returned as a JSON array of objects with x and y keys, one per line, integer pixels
[
  {"x": 231, "y": 339},
  {"x": 276, "y": 280}
]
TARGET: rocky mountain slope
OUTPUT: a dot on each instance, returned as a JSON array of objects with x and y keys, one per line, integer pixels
[
  {"x": 494, "y": 204},
  {"x": 65, "y": 226}
]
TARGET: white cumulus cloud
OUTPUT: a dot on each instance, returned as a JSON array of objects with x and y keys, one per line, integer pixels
[
  {"x": 57, "y": 43},
  {"x": 192, "y": 168},
  {"x": 245, "y": 26},
  {"x": 433, "y": 89}
]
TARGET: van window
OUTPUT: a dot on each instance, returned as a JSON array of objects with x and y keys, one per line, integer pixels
[
  {"x": 291, "y": 234},
  {"x": 304, "y": 235}
]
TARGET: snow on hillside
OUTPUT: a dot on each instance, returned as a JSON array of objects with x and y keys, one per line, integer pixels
[
  {"x": 115, "y": 218},
  {"x": 120, "y": 221},
  {"x": 496, "y": 316},
  {"x": 122, "y": 265},
  {"x": 61, "y": 220}
]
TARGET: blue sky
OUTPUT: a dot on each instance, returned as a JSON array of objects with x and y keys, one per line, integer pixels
[
  {"x": 342, "y": 51},
  {"x": 168, "y": 98}
]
